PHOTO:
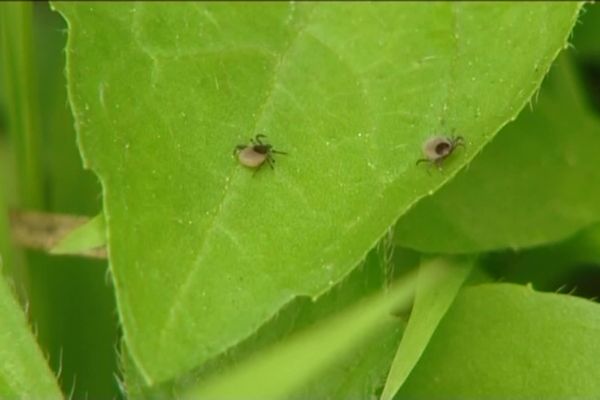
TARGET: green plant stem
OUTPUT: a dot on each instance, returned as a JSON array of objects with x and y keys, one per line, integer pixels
[
  {"x": 6, "y": 254},
  {"x": 21, "y": 100}
]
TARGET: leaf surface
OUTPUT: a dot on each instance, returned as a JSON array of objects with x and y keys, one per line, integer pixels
[
  {"x": 507, "y": 341},
  {"x": 203, "y": 250}
]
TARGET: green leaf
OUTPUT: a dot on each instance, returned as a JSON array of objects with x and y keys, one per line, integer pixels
[
  {"x": 203, "y": 250},
  {"x": 355, "y": 375},
  {"x": 358, "y": 375},
  {"x": 86, "y": 237},
  {"x": 23, "y": 369},
  {"x": 431, "y": 304},
  {"x": 541, "y": 165},
  {"x": 508, "y": 342},
  {"x": 282, "y": 369}
]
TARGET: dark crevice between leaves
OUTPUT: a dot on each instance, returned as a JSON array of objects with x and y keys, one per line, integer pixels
[
  {"x": 590, "y": 72},
  {"x": 584, "y": 281}
]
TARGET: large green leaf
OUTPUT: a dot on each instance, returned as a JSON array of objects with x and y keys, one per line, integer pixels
[
  {"x": 204, "y": 251},
  {"x": 504, "y": 341},
  {"x": 530, "y": 186},
  {"x": 24, "y": 373}
]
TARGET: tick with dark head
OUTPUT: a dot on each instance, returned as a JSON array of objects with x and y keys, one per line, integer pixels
[
  {"x": 255, "y": 154},
  {"x": 437, "y": 148}
]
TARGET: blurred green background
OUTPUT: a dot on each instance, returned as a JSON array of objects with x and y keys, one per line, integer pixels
[{"x": 70, "y": 299}]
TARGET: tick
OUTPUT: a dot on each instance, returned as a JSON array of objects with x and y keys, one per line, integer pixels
[
  {"x": 437, "y": 148},
  {"x": 255, "y": 154}
]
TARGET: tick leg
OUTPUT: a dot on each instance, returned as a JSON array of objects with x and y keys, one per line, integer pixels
[
  {"x": 429, "y": 166},
  {"x": 258, "y": 137},
  {"x": 459, "y": 141},
  {"x": 422, "y": 160},
  {"x": 438, "y": 163},
  {"x": 278, "y": 152},
  {"x": 270, "y": 161},
  {"x": 238, "y": 148}
]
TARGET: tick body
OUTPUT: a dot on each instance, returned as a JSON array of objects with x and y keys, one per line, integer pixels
[
  {"x": 437, "y": 148},
  {"x": 255, "y": 154}
]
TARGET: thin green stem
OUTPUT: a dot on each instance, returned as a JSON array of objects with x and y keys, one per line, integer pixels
[
  {"x": 16, "y": 34},
  {"x": 6, "y": 253}
]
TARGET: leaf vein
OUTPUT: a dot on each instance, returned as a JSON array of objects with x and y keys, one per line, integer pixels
[{"x": 178, "y": 301}]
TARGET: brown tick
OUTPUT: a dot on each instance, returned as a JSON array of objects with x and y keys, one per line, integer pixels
[
  {"x": 255, "y": 154},
  {"x": 437, "y": 148}
]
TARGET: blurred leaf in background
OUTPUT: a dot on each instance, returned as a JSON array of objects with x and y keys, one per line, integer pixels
[
  {"x": 24, "y": 373},
  {"x": 506, "y": 341}
]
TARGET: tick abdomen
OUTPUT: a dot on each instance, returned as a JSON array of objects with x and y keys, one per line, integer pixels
[
  {"x": 250, "y": 157},
  {"x": 436, "y": 147}
]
